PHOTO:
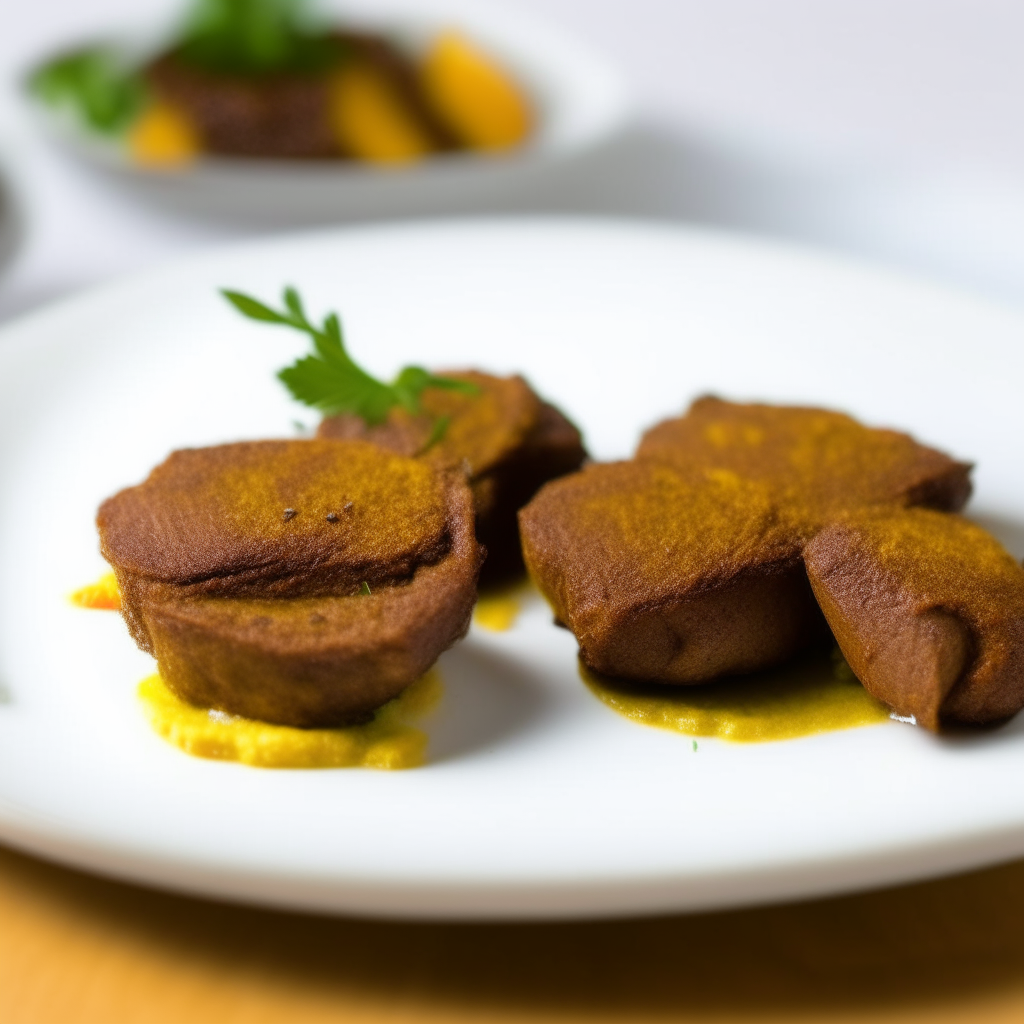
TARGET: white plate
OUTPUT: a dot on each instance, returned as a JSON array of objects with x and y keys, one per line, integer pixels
[
  {"x": 582, "y": 105},
  {"x": 539, "y": 801}
]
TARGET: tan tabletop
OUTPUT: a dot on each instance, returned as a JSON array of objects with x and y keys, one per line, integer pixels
[{"x": 75, "y": 948}]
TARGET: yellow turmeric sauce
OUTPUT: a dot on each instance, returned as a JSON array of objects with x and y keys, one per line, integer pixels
[
  {"x": 498, "y": 608},
  {"x": 816, "y": 694},
  {"x": 103, "y": 595},
  {"x": 389, "y": 741}
]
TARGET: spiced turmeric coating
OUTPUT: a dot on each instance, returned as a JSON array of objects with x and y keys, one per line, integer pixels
[
  {"x": 504, "y": 437},
  {"x": 816, "y": 459},
  {"x": 670, "y": 576},
  {"x": 258, "y": 516},
  {"x": 687, "y": 580},
  {"x": 928, "y": 610},
  {"x": 244, "y": 570}
]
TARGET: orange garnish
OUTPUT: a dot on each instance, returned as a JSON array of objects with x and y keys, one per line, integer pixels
[{"x": 102, "y": 595}]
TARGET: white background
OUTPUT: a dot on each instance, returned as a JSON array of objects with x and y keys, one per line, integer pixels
[{"x": 892, "y": 129}]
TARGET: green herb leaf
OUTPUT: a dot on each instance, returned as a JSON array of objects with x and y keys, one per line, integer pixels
[
  {"x": 436, "y": 433},
  {"x": 330, "y": 381},
  {"x": 256, "y": 37},
  {"x": 94, "y": 83},
  {"x": 254, "y": 310},
  {"x": 364, "y": 588}
]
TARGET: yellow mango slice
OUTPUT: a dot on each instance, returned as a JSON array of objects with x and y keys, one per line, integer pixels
[
  {"x": 163, "y": 136},
  {"x": 371, "y": 121},
  {"x": 474, "y": 96}
]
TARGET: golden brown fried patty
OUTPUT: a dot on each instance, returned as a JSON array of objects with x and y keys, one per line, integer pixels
[
  {"x": 507, "y": 440},
  {"x": 242, "y": 569},
  {"x": 928, "y": 610},
  {"x": 687, "y": 563},
  {"x": 822, "y": 460},
  {"x": 668, "y": 576}
]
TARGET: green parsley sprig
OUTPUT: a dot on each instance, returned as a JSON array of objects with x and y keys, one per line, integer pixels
[
  {"x": 95, "y": 83},
  {"x": 331, "y": 382},
  {"x": 256, "y": 37}
]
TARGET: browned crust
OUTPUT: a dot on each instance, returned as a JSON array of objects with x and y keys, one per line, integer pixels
[
  {"x": 282, "y": 116},
  {"x": 508, "y": 440},
  {"x": 277, "y": 518},
  {"x": 312, "y": 662},
  {"x": 314, "y": 652},
  {"x": 928, "y": 610},
  {"x": 668, "y": 577},
  {"x": 824, "y": 460}
]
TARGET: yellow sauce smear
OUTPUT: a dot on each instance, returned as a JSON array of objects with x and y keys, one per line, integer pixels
[
  {"x": 816, "y": 694},
  {"x": 102, "y": 595},
  {"x": 498, "y": 609},
  {"x": 388, "y": 742}
]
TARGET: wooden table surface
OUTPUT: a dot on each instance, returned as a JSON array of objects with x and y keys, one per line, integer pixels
[{"x": 75, "y": 948}]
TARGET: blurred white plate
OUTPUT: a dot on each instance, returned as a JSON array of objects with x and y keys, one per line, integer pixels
[
  {"x": 539, "y": 801},
  {"x": 581, "y": 101}
]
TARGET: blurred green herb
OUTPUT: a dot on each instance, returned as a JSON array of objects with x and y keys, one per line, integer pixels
[
  {"x": 329, "y": 380},
  {"x": 841, "y": 670},
  {"x": 364, "y": 589},
  {"x": 255, "y": 37},
  {"x": 95, "y": 84}
]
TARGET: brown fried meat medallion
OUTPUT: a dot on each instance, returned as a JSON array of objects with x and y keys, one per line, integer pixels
[
  {"x": 816, "y": 459},
  {"x": 287, "y": 114},
  {"x": 667, "y": 576},
  {"x": 687, "y": 563},
  {"x": 507, "y": 440},
  {"x": 243, "y": 570},
  {"x": 928, "y": 610}
]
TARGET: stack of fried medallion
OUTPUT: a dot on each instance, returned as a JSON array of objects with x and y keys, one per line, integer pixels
[
  {"x": 299, "y": 582},
  {"x": 703, "y": 557},
  {"x": 504, "y": 437}
]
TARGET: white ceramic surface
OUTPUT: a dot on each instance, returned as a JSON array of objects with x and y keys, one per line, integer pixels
[
  {"x": 538, "y": 801},
  {"x": 581, "y": 103}
]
